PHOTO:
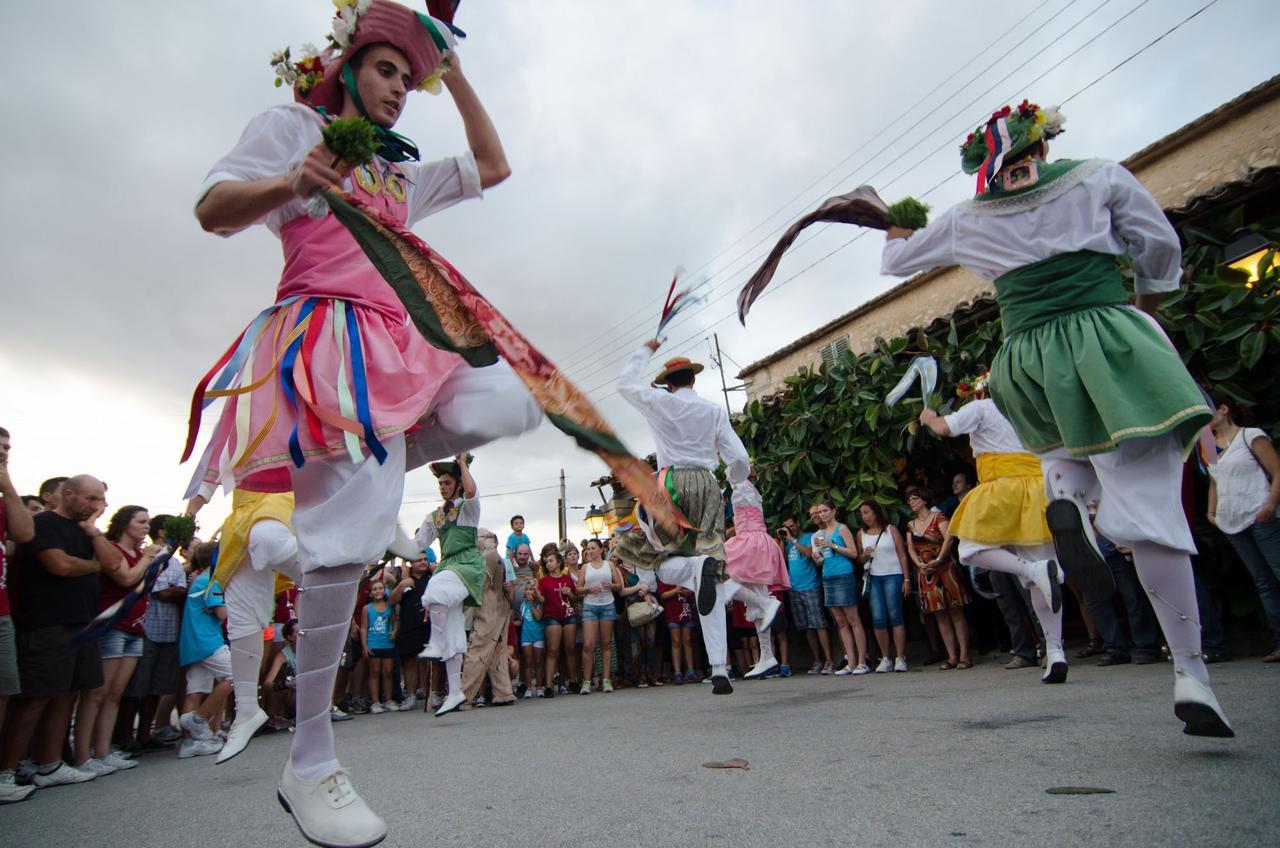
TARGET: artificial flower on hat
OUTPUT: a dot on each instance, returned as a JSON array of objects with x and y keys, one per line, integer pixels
[{"x": 1005, "y": 135}]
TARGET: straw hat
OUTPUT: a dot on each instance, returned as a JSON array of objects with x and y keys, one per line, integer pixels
[{"x": 674, "y": 366}]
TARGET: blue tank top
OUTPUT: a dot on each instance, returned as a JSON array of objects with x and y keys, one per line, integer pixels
[
  {"x": 834, "y": 563},
  {"x": 380, "y": 627}
]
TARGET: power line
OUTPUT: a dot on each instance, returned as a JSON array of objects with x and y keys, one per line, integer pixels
[
  {"x": 688, "y": 316},
  {"x": 842, "y": 246},
  {"x": 580, "y": 354}
]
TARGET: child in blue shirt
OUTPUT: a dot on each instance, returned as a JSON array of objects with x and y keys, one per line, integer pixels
[
  {"x": 517, "y": 537},
  {"x": 203, "y": 653},
  {"x": 532, "y": 641}
]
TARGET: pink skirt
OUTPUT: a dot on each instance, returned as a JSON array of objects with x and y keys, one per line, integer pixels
[
  {"x": 754, "y": 557},
  {"x": 313, "y": 376}
]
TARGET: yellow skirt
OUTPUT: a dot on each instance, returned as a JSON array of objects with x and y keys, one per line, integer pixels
[
  {"x": 1007, "y": 506},
  {"x": 247, "y": 509}
]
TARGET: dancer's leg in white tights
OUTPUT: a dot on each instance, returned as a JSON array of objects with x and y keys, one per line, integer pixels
[
  {"x": 687, "y": 572},
  {"x": 326, "y": 598},
  {"x": 1166, "y": 577},
  {"x": 999, "y": 559},
  {"x": 249, "y": 596}
]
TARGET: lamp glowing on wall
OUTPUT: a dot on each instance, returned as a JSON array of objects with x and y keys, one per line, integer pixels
[
  {"x": 1245, "y": 254},
  {"x": 595, "y": 520}
]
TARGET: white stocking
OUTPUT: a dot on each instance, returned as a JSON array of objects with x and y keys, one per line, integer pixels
[
  {"x": 453, "y": 666},
  {"x": 326, "y": 599},
  {"x": 1166, "y": 576},
  {"x": 998, "y": 559},
  {"x": 246, "y": 665},
  {"x": 765, "y": 635}
]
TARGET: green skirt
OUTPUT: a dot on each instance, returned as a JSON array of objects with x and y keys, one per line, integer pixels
[
  {"x": 1088, "y": 380},
  {"x": 698, "y": 496}
]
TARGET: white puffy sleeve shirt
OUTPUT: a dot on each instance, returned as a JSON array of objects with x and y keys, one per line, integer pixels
[
  {"x": 987, "y": 429},
  {"x": 468, "y": 516},
  {"x": 276, "y": 141},
  {"x": 1106, "y": 211},
  {"x": 689, "y": 431}
]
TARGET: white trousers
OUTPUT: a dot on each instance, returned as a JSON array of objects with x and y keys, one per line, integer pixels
[
  {"x": 477, "y": 406},
  {"x": 1138, "y": 487},
  {"x": 443, "y": 600},
  {"x": 687, "y": 573},
  {"x": 251, "y": 591},
  {"x": 345, "y": 513}
]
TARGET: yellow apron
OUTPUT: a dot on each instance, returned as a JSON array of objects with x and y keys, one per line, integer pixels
[
  {"x": 1007, "y": 506},
  {"x": 247, "y": 509}
]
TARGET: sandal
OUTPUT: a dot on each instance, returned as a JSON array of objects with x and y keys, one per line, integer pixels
[
  {"x": 963, "y": 664},
  {"x": 1091, "y": 650},
  {"x": 947, "y": 666}
]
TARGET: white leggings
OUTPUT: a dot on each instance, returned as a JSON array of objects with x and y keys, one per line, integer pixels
[{"x": 687, "y": 573}]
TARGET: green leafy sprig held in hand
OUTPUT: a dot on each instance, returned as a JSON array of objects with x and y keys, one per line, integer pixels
[{"x": 353, "y": 142}]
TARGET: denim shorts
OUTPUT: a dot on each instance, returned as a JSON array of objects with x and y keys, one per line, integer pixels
[
  {"x": 116, "y": 644},
  {"x": 559, "y": 622},
  {"x": 604, "y": 612},
  {"x": 840, "y": 591},
  {"x": 676, "y": 625},
  {"x": 531, "y": 643},
  {"x": 806, "y": 609}
]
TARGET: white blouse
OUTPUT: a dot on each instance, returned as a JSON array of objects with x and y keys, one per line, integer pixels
[
  {"x": 1105, "y": 210},
  {"x": 468, "y": 516},
  {"x": 276, "y": 141},
  {"x": 988, "y": 430},
  {"x": 1241, "y": 483}
]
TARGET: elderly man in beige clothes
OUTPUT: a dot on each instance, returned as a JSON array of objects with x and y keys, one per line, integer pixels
[{"x": 487, "y": 653}]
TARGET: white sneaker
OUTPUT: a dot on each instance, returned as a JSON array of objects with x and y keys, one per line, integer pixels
[
  {"x": 25, "y": 771},
  {"x": 328, "y": 811},
  {"x": 407, "y": 704},
  {"x": 198, "y": 748},
  {"x": 760, "y": 669},
  {"x": 844, "y": 670},
  {"x": 430, "y": 652},
  {"x": 860, "y": 669},
  {"x": 375, "y": 708},
  {"x": 816, "y": 670},
  {"x": 900, "y": 664},
  {"x": 242, "y": 733},
  {"x": 451, "y": 703},
  {"x": 585, "y": 688},
  {"x": 119, "y": 761},
  {"x": 10, "y": 791},
  {"x": 61, "y": 776},
  {"x": 1195, "y": 704},
  {"x": 826, "y": 668},
  {"x": 196, "y": 726},
  {"x": 434, "y": 701},
  {"x": 336, "y": 714},
  {"x": 886, "y": 664},
  {"x": 98, "y": 767},
  {"x": 528, "y": 695}
]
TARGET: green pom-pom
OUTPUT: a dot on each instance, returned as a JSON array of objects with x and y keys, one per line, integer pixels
[
  {"x": 179, "y": 530},
  {"x": 351, "y": 139},
  {"x": 908, "y": 213}
]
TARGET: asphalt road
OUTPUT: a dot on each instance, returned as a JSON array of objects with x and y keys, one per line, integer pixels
[{"x": 928, "y": 758}]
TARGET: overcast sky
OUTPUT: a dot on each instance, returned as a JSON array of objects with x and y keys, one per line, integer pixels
[{"x": 642, "y": 136}]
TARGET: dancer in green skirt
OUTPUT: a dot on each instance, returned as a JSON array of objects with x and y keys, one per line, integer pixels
[{"x": 1088, "y": 380}]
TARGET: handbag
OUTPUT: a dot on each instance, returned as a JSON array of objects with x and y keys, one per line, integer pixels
[{"x": 643, "y": 612}]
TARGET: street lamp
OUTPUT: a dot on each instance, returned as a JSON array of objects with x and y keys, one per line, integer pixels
[
  {"x": 595, "y": 521},
  {"x": 1245, "y": 255}
]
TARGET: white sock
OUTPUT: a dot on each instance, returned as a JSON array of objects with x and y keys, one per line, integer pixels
[
  {"x": 246, "y": 664},
  {"x": 719, "y": 671},
  {"x": 326, "y": 599},
  {"x": 1166, "y": 576},
  {"x": 453, "y": 666},
  {"x": 1050, "y": 621}
]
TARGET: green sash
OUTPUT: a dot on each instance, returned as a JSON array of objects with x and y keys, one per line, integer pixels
[{"x": 1068, "y": 282}]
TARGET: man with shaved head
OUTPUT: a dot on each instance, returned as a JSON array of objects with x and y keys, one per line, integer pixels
[{"x": 59, "y": 572}]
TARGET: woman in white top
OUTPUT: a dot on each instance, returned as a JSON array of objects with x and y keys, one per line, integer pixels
[
  {"x": 598, "y": 581},
  {"x": 1244, "y": 493},
  {"x": 884, "y": 553}
]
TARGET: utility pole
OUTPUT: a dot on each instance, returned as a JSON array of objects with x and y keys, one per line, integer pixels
[
  {"x": 564, "y": 527},
  {"x": 724, "y": 387}
]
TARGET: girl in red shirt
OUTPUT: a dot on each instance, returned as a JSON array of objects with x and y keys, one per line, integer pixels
[{"x": 555, "y": 592}]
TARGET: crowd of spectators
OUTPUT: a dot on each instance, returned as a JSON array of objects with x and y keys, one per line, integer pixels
[{"x": 572, "y": 619}]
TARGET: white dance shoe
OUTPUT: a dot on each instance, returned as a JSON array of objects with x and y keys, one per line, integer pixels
[
  {"x": 1195, "y": 704},
  {"x": 329, "y": 812},
  {"x": 242, "y": 732},
  {"x": 1047, "y": 578},
  {"x": 1055, "y": 666},
  {"x": 761, "y": 669},
  {"x": 452, "y": 701},
  {"x": 768, "y": 612}
]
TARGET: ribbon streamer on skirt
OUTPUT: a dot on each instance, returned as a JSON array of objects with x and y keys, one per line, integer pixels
[{"x": 452, "y": 315}]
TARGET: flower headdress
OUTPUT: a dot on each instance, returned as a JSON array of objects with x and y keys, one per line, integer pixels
[
  {"x": 973, "y": 386},
  {"x": 1006, "y": 134}
]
